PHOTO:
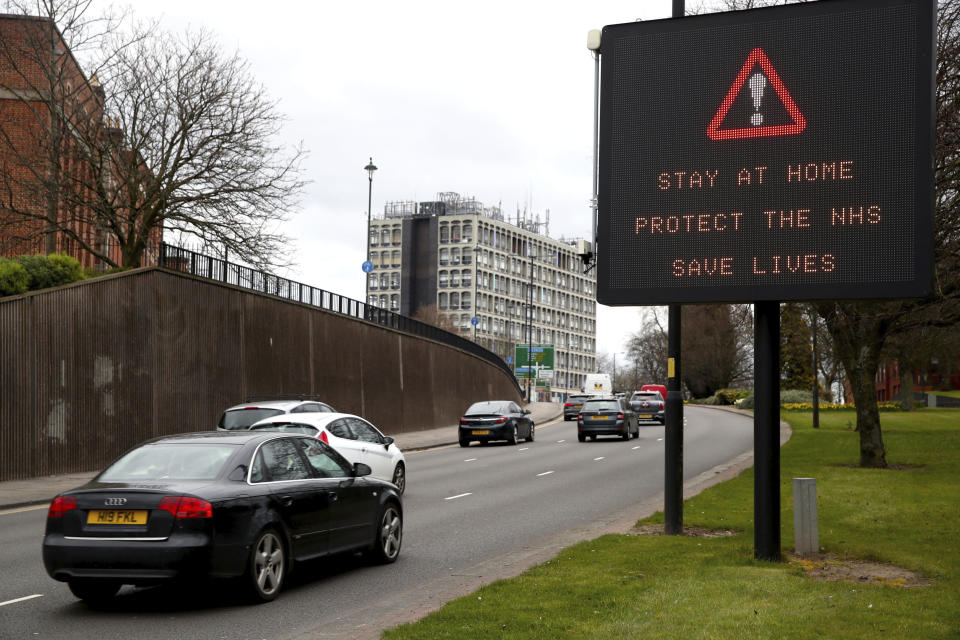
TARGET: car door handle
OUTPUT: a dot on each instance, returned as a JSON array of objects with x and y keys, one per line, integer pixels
[{"x": 286, "y": 501}]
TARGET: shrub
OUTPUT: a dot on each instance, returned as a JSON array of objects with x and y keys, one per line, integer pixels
[
  {"x": 730, "y": 396},
  {"x": 14, "y": 278},
  {"x": 51, "y": 270}
]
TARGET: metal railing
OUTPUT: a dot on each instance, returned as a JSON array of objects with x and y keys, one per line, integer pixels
[{"x": 204, "y": 266}]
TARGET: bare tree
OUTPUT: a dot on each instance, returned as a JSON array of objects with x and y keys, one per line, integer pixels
[
  {"x": 49, "y": 95},
  {"x": 170, "y": 134}
]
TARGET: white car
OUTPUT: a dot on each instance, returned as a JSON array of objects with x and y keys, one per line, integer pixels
[
  {"x": 240, "y": 417},
  {"x": 353, "y": 437}
]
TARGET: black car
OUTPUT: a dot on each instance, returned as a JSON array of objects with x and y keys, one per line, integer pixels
[
  {"x": 572, "y": 406},
  {"x": 648, "y": 405},
  {"x": 247, "y": 505},
  {"x": 606, "y": 416},
  {"x": 495, "y": 420}
]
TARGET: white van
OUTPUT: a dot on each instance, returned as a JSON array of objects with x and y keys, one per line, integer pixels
[{"x": 598, "y": 384}]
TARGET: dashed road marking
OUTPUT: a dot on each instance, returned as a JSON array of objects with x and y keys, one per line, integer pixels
[
  {"x": 636, "y": 447},
  {"x": 559, "y": 441},
  {"x": 600, "y": 458},
  {"x": 469, "y": 459},
  {"x": 659, "y": 439},
  {"x": 523, "y": 448},
  {"x": 545, "y": 473},
  {"x": 462, "y": 495},
  {"x": 36, "y": 595}
]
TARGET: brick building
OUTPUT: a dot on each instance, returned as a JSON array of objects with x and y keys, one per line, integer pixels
[{"x": 47, "y": 106}]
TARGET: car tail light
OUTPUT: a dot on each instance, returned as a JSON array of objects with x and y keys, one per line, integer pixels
[
  {"x": 568, "y": 404},
  {"x": 184, "y": 507},
  {"x": 661, "y": 405},
  {"x": 323, "y": 436},
  {"x": 463, "y": 421},
  {"x": 501, "y": 420},
  {"x": 619, "y": 416},
  {"x": 61, "y": 505}
]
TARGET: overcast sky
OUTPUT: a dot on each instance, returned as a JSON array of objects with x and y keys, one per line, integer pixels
[{"x": 491, "y": 100}]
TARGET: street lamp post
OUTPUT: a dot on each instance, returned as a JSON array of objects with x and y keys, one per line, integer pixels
[
  {"x": 370, "y": 168},
  {"x": 530, "y": 321}
]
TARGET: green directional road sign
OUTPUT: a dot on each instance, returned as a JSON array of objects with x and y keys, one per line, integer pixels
[{"x": 534, "y": 361}]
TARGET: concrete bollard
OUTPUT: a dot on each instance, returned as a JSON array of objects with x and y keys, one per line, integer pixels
[{"x": 805, "y": 516}]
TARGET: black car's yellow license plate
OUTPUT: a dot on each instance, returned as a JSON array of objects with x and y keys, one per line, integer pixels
[
  {"x": 480, "y": 432},
  {"x": 644, "y": 416},
  {"x": 117, "y": 516}
]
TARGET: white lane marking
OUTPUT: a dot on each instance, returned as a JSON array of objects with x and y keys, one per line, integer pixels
[
  {"x": 469, "y": 459},
  {"x": 36, "y": 595},
  {"x": 462, "y": 495},
  {"x": 659, "y": 439},
  {"x": 545, "y": 473},
  {"x": 523, "y": 448},
  {"x": 600, "y": 458},
  {"x": 24, "y": 509},
  {"x": 559, "y": 441},
  {"x": 636, "y": 447}
]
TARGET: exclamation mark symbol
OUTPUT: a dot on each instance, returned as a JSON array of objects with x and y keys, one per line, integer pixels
[{"x": 758, "y": 82}]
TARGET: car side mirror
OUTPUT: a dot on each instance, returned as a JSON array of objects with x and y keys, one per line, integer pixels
[
  {"x": 527, "y": 412},
  {"x": 360, "y": 469},
  {"x": 387, "y": 441}
]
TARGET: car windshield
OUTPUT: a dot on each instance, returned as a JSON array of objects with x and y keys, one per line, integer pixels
[
  {"x": 169, "y": 461},
  {"x": 287, "y": 427},
  {"x": 601, "y": 405},
  {"x": 238, "y": 419},
  {"x": 487, "y": 408}
]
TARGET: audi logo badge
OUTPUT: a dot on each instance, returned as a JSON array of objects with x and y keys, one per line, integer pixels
[{"x": 115, "y": 502}]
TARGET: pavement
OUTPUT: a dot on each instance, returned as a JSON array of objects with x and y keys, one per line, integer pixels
[{"x": 41, "y": 490}]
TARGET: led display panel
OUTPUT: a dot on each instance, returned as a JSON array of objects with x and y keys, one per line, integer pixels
[{"x": 773, "y": 154}]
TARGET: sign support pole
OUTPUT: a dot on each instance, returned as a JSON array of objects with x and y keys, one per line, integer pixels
[
  {"x": 766, "y": 431},
  {"x": 673, "y": 438}
]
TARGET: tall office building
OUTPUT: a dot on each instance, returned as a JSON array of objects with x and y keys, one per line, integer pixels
[{"x": 452, "y": 259}]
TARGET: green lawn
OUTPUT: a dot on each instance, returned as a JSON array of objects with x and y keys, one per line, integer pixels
[{"x": 633, "y": 586}]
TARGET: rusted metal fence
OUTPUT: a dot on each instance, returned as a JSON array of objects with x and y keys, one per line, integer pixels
[{"x": 90, "y": 369}]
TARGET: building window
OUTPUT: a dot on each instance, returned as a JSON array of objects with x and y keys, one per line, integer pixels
[
  {"x": 454, "y": 300},
  {"x": 455, "y": 255},
  {"x": 467, "y": 232},
  {"x": 443, "y": 279},
  {"x": 444, "y": 257},
  {"x": 383, "y": 301},
  {"x": 384, "y": 281},
  {"x": 374, "y": 237},
  {"x": 443, "y": 300},
  {"x": 394, "y": 302},
  {"x": 372, "y": 300},
  {"x": 444, "y": 233},
  {"x": 465, "y": 300},
  {"x": 385, "y": 237},
  {"x": 455, "y": 278},
  {"x": 396, "y": 235},
  {"x": 455, "y": 233},
  {"x": 395, "y": 259},
  {"x": 373, "y": 281},
  {"x": 465, "y": 278},
  {"x": 375, "y": 258},
  {"x": 467, "y": 255},
  {"x": 394, "y": 280}
]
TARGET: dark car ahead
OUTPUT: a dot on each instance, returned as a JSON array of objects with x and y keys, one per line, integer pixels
[
  {"x": 495, "y": 420},
  {"x": 572, "y": 406},
  {"x": 606, "y": 416},
  {"x": 244, "y": 505},
  {"x": 648, "y": 405}
]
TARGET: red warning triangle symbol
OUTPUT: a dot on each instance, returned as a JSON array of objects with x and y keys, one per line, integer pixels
[{"x": 757, "y": 56}]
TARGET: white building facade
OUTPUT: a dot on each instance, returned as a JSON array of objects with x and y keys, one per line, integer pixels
[{"x": 452, "y": 260}]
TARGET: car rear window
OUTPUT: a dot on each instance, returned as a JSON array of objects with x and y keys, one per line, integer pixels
[
  {"x": 601, "y": 405},
  {"x": 239, "y": 419},
  {"x": 486, "y": 408},
  {"x": 173, "y": 461},
  {"x": 288, "y": 427},
  {"x": 646, "y": 396}
]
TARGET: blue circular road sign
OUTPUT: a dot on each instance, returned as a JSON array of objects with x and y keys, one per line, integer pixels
[
  {"x": 474, "y": 320},
  {"x": 367, "y": 266}
]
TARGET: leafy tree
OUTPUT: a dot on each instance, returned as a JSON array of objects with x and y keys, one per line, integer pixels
[
  {"x": 796, "y": 361},
  {"x": 14, "y": 278}
]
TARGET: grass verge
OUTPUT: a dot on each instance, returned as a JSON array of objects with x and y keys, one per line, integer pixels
[{"x": 634, "y": 586}]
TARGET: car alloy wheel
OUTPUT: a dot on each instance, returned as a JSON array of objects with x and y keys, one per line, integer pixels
[
  {"x": 400, "y": 477},
  {"x": 531, "y": 436},
  {"x": 267, "y": 566},
  {"x": 513, "y": 436},
  {"x": 386, "y": 548}
]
